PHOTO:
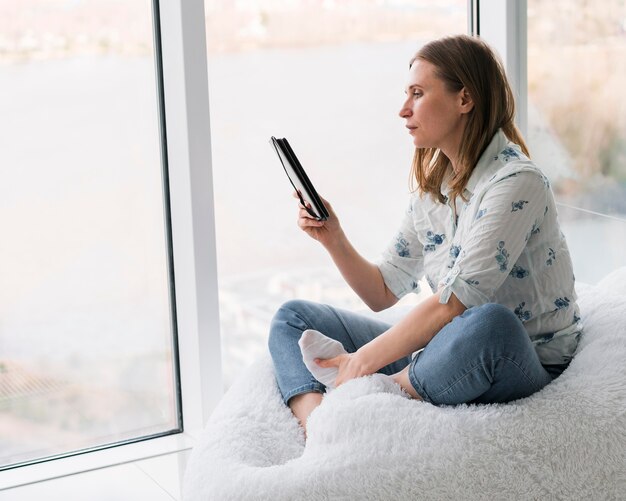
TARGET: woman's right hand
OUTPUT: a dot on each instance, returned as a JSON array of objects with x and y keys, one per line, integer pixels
[{"x": 326, "y": 232}]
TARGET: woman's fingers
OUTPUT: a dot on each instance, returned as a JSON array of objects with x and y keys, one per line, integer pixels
[
  {"x": 295, "y": 195},
  {"x": 328, "y": 362},
  {"x": 305, "y": 220},
  {"x": 304, "y": 213}
]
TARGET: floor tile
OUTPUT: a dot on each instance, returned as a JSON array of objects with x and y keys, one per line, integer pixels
[{"x": 167, "y": 471}]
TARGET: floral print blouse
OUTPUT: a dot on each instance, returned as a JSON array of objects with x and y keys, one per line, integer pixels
[{"x": 502, "y": 246}]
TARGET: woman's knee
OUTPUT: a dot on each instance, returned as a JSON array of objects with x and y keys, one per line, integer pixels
[
  {"x": 289, "y": 320},
  {"x": 294, "y": 308},
  {"x": 498, "y": 315},
  {"x": 490, "y": 324}
]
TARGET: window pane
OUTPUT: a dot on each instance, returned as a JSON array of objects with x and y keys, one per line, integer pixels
[
  {"x": 330, "y": 77},
  {"x": 577, "y": 123},
  {"x": 85, "y": 330}
]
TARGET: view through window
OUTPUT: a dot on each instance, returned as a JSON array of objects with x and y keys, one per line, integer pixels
[
  {"x": 86, "y": 335},
  {"x": 330, "y": 77},
  {"x": 577, "y": 123}
]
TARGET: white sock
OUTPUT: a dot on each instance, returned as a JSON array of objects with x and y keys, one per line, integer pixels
[{"x": 314, "y": 344}]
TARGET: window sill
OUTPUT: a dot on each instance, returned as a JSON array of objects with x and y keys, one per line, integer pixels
[{"x": 95, "y": 460}]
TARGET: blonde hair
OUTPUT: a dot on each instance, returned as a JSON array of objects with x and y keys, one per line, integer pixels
[{"x": 464, "y": 61}]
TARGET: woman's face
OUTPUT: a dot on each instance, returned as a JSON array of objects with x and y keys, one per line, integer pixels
[{"x": 434, "y": 115}]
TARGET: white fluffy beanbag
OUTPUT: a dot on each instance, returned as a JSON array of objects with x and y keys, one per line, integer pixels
[{"x": 567, "y": 441}]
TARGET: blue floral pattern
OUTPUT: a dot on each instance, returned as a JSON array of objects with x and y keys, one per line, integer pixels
[
  {"x": 434, "y": 240},
  {"x": 402, "y": 246},
  {"x": 502, "y": 257},
  {"x": 561, "y": 302},
  {"x": 534, "y": 230},
  {"x": 519, "y": 205},
  {"x": 551, "y": 256},
  {"x": 455, "y": 250},
  {"x": 508, "y": 153},
  {"x": 518, "y": 272},
  {"x": 481, "y": 213},
  {"x": 523, "y": 315}
]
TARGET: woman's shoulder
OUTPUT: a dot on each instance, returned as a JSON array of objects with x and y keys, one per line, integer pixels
[{"x": 520, "y": 167}]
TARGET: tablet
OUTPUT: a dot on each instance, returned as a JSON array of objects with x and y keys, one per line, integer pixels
[{"x": 299, "y": 180}]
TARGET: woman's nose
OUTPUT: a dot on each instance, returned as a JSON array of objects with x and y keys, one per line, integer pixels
[{"x": 405, "y": 111}]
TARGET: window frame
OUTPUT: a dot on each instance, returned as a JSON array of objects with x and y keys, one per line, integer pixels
[
  {"x": 178, "y": 26},
  {"x": 503, "y": 25}
]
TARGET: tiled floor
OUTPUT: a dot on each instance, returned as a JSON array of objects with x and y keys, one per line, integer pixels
[{"x": 155, "y": 479}]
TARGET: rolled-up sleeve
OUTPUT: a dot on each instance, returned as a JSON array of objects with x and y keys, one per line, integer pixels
[
  {"x": 509, "y": 211},
  {"x": 402, "y": 262}
]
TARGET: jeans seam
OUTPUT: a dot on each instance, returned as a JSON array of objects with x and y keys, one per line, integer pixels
[
  {"x": 307, "y": 323},
  {"x": 477, "y": 366},
  {"x": 301, "y": 389},
  {"x": 300, "y": 315},
  {"x": 419, "y": 389}
]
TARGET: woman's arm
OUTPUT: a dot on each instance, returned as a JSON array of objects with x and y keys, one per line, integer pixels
[
  {"x": 412, "y": 333},
  {"x": 362, "y": 276}
]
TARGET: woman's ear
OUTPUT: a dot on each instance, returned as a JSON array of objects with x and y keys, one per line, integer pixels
[{"x": 466, "y": 103}]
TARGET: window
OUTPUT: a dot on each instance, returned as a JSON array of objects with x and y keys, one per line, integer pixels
[
  {"x": 577, "y": 123},
  {"x": 330, "y": 77},
  {"x": 87, "y": 343}
]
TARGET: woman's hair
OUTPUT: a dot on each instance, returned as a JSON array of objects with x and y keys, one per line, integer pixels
[{"x": 464, "y": 61}]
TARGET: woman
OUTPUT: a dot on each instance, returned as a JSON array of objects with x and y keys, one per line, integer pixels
[{"x": 481, "y": 227}]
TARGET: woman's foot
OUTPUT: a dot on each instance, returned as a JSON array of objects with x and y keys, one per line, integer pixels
[
  {"x": 302, "y": 405},
  {"x": 402, "y": 378},
  {"x": 314, "y": 344}
]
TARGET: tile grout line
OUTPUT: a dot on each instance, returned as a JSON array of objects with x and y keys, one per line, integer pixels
[{"x": 136, "y": 465}]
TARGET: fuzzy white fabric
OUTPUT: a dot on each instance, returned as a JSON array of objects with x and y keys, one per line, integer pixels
[{"x": 367, "y": 441}]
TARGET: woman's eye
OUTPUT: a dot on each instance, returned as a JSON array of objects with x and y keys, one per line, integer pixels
[{"x": 417, "y": 94}]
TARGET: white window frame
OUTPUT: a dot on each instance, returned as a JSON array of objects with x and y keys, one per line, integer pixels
[
  {"x": 186, "y": 90},
  {"x": 503, "y": 25},
  {"x": 185, "y": 86}
]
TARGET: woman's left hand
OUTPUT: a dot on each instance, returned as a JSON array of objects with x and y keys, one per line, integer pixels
[{"x": 350, "y": 366}]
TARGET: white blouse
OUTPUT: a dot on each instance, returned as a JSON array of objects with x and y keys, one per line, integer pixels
[{"x": 503, "y": 246}]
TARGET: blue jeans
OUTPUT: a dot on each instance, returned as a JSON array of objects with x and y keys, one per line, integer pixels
[{"x": 483, "y": 355}]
